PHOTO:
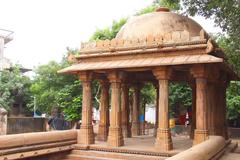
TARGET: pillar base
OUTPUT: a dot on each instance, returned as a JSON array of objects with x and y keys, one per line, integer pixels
[
  {"x": 164, "y": 140},
  {"x": 115, "y": 137},
  {"x": 86, "y": 135},
  {"x": 135, "y": 129},
  {"x": 200, "y": 136},
  {"x": 102, "y": 133}
]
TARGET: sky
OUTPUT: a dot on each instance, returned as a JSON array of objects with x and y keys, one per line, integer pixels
[{"x": 43, "y": 29}]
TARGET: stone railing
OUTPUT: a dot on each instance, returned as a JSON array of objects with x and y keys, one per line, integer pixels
[
  {"x": 206, "y": 150},
  {"x": 27, "y": 145},
  {"x": 169, "y": 39}
]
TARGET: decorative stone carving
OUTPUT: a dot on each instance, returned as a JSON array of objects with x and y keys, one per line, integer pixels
[
  {"x": 115, "y": 136},
  {"x": 201, "y": 131},
  {"x": 85, "y": 134},
  {"x": 125, "y": 109},
  {"x": 163, "y": 138}
]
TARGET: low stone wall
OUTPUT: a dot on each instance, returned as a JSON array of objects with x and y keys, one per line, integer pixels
[
  {"x": 29, "y": 145},
  {"x": 204, "y": 151},
  {"x": 17, "y": 125}
]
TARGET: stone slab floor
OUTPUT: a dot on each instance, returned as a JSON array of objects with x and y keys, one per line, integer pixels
[{"x": 146, "y": 143}]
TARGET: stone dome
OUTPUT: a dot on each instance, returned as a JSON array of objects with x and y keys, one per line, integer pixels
[{"x": 160, "y": 22}]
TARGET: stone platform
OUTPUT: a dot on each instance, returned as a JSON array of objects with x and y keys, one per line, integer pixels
[{"x": 140, "y": 147}]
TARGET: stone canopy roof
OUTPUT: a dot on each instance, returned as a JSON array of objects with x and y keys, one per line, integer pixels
[
  {"x": 156, "y": 39},
  {"x": 156, "y": 23}
]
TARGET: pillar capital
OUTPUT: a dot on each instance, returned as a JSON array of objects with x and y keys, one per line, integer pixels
[
  {"x": 85, "y": 76},
  {"x": 164, "y": 73},
  {"x": 104, "y": 82},
  {"x": 199, "y": 71},
  {"x": 116, "y": 76}
]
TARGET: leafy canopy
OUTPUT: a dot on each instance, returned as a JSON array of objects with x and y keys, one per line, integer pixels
[{"x": 14, "y": 86}]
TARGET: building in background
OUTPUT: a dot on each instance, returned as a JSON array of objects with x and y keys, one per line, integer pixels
[{"x": 5, "y": 37}]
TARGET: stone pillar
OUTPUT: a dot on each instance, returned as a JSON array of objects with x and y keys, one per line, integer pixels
[
  {"x": 136, "y": 110},
  {"x": 211, "y": 109},
  {"x": 104, "y": 111},
  {"x": 125, "y": 110},
  {"x": 193, "y": 123},
  {"x": 163, "y": 139},
  {"x": 115, "y": 137},
  {"x": 201, "y": 131},
  {"x": 130, "y": 115},
  {"x": 218, "y": 112},
  {"x": 225, "y": 133},
  {"x": 85, "y": 134},
  {"x": 156, "y": 111},
  {"x": 3, "y": 121},
  {"x": 220, "y": 116}
]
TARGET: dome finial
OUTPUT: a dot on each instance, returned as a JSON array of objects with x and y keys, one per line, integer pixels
[{"x": 162, "y": 9}]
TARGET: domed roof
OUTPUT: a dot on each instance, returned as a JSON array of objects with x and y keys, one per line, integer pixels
[{"x": 158, "y": 23}]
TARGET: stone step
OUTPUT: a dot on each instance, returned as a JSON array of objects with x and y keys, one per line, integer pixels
[
  {"x": 230, "y": 156},
  {"x": 112, "y": 155},
  {"x": 85, "y": 157},
  {"x": 231, "y": 147}
]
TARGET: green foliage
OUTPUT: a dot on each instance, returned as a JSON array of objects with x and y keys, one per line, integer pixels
[
  {"x": 69, "y": 99},
  {"x": 14, "y": 86},
  {"x": 233, "y": 101},
  {"x": 180, "y": 94},
  {"x": 148, "y": 9},
  {"x": 148, "y": 94},
  {"x": 109, "y": 32},
  {"x": 172, "y": 4},
  {"x": 55, "y": 90}
]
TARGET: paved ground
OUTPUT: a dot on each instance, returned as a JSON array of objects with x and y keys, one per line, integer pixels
[
  {"x": 146, "y": 143},
  {"x": 232, "y": 155}
]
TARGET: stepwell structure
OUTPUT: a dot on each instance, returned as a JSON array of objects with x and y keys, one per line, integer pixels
[{"x": 158, "y": 48}]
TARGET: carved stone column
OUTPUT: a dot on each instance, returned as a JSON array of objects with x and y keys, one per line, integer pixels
[
  {"x": 193, "y": 123},
  {"x": 104, "y": 111},
  {"x": 201, "y": 131},
  {"x": 115, "y": 137},
  {"x": 211, "y": 108},
  {"x": 163, "y": 139},
  {"x": 156, "y": 110},
  {"x": 225, "y": 134},
  {"x": 85, "y": 134},
  {"x": 136, "y": 110},
  {"x": 125, "y": 109},
  {"x": 220, "y": 116}
]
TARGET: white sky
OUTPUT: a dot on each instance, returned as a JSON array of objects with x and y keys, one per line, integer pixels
[{"x": 44, "y": 28}]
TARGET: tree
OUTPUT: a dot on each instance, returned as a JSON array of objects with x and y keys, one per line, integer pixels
[
  {"x": 14, "y": 86},
  {"x": 109, "y": 32},
  {"x": 55, "y": 90}
]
